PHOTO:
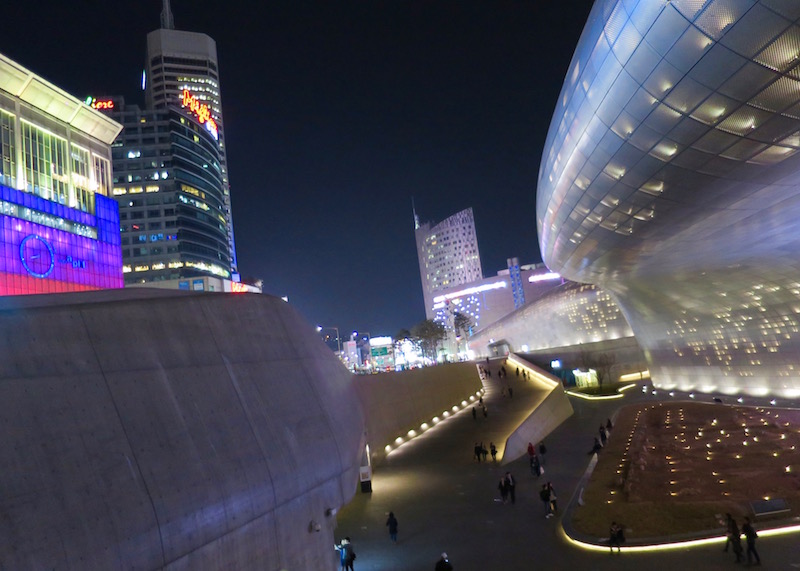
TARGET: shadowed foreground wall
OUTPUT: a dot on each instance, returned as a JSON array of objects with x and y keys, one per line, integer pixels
[
  {"x": 149, "y": 429},
  {"x": 395, "y": 403}
]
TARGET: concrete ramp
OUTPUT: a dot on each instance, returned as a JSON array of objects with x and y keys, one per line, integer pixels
[
  {"x": 149, "y": 429},
  {"x": 551, "y": 409}
]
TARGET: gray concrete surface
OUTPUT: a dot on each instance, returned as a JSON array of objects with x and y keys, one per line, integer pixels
[
  {"x": 446, "y": 501},
  {"x": 397, "y": 402},
  {"x": 147, "y": 430}
]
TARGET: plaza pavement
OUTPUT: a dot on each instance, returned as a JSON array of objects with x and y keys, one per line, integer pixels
[{"x": 446, "y": 501}]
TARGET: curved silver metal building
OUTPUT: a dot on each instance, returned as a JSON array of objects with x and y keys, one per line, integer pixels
[{"x": 670, "y": 179}]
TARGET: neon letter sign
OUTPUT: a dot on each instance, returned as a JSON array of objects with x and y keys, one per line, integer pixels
[
  {"x": 201, "y": 110},
  {"x": 102, "y": 104}
]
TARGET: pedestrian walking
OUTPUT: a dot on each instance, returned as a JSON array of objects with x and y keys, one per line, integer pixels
[
  {"x": 531, "y": 450},
  {"x": 553, "y": 498},
  {"x": 615, "y": 537},
  {"x": 544, "y": 495},
  {"x": 542, "y": 452},
  {"x": 485, "y": 411},
  {"x": 512, "y": 486},
  {"x": 477, "y": 452},
  {"x": 536, "y": 467},
  {"x": 729, "y": 525},
  {"x": 474, "y": 414},
  {"x": 517, "y": 372},
  {"x": 735, "y": 537},
  {"x": 503, "y": 487},
  {"x": 484, "y": 452},
  {"x": 493, "y": 450},
  {"x": 391, "y": 522},
  {"x": 346, "y": 554},
  {"x": 443, "y": 564},
  {"x": 603, "y": 435},
  {"x": 751, "y": 536},
  {"x": 609, "y": 426},
  {"x": 510, "y": 392}
]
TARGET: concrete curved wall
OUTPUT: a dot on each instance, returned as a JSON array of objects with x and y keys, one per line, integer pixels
[
  {"x": 395, "y": 403},
  {"x": 671, "y": 179},
  {"x": 151, "y": 429}
]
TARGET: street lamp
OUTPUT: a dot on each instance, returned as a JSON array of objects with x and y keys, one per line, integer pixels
[{"x": 338, "y": 341}]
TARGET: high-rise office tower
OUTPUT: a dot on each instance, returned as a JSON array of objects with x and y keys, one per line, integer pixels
[
  {"x": 179, "y": 62},
  {"x": 448, "y": 255},
  {"x": 168, "y": 182}
]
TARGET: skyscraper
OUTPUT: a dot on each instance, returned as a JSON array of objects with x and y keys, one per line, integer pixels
[
  {"x": 448, "y": 255},
  {"x": 178, "y": 62},
  {"x": 168, "y": 182}
]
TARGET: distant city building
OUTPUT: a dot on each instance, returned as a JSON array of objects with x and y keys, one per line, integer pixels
[
  {"x": 488, "y": 300},
  {"x": 59, "y": 229},
  {"x": 448, "y": 255},
  {"x": 178, "y": 62},
  {"x": 168, "y": 181}
]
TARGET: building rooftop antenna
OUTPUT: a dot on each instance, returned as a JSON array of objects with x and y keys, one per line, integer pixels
[{"x": 167, "y": 23}]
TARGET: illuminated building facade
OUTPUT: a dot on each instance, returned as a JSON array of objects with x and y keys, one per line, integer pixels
[
  {"x": 448, "y": 255},
  {"x": 59, "y": 230},
  {"x": 487, "y": 300},
  {"x": 178, "y": 61},
  {"x": 168, "y": 182},
  {"x": 565, "y": 315},
  {"x": 670, "y": 179}
]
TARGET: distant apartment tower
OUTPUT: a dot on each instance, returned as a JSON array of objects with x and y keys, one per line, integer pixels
[
  {"x": 178, "y": 61},
  {"x": 448, "y": 255}
]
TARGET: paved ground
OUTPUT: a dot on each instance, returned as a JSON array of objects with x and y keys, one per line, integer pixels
[{"x": 446, "y": 501}]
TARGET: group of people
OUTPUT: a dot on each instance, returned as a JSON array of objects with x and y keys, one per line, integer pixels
[
  {"x": 734, "y": 539},
  {"x": 602, "y": 437},
  {"x": 548, "y": 496},
  {"x": 480, "y": 452},
  {"x": 508, "y": 488},
  {"x": 536, "y": 461}
]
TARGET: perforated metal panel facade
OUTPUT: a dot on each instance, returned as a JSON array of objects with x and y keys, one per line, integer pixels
[{"x": 670, "y": 179}]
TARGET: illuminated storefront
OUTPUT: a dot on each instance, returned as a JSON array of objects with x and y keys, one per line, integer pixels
[{"x": 59, "y": 230}]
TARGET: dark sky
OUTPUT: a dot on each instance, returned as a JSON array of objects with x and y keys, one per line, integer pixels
[{"x": 336, "y": 115}]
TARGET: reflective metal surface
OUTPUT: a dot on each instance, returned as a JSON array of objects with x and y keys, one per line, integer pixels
[{"x": 670, "y": 179}]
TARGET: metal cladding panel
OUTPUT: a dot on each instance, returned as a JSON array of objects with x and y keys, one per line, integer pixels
[
  {"x": 176, "y": 431},
  {"x": 713, "y": 190}
]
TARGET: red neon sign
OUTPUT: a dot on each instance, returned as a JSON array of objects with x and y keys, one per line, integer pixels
[
  {"x": 102, "y": 104},
  {"x": 201, "y": 110}
]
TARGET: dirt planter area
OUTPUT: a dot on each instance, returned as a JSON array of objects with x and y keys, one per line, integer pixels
[{"x": 677, "y": 468}]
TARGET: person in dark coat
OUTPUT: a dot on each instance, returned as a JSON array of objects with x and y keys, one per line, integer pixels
[
  {"x": 512, "y": 486},
  {"x": 493, "y": 450},
  {"x": 751, "y": 535},
  {"x": 391, "y": 522},
  {"x": 346, "y": 553},
  {"x": 615, "y": 537},
  {"x": 544, "y": 495},
  {"x": 503, "y": 487},
  {"x": 542, "y": 452},
  {"x": 443, "y": 564},
  {"x": 536, "y": 468},
  {"x": 735, "y": 537}
]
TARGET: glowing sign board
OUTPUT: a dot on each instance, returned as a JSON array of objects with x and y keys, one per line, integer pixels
[
  {"x": 99, "y": 104},
  {"x": 201, "y": 110}
]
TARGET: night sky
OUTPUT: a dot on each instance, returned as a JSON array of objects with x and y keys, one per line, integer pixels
[{"x": 336, "y": 115}]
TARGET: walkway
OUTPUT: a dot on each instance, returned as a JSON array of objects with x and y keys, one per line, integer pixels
[{"x": 446, "y": 501}]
